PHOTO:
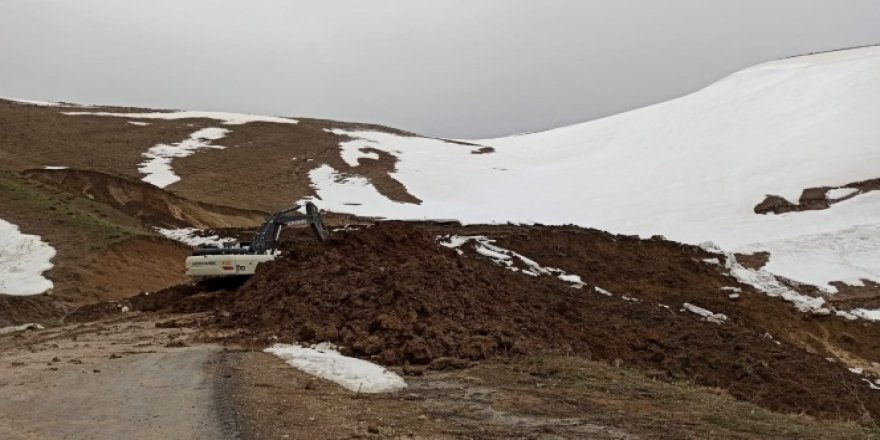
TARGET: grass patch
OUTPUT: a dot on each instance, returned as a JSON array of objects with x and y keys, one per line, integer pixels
[{"x": 29, "y": 204}]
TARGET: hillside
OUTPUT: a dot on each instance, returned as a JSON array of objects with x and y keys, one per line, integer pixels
[
  {"x": 797, "y": 135},
  {"x": 712, "y": 259},
  {"x": 778, "y": 158}
]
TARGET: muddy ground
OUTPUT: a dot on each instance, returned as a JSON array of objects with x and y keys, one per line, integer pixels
[
  {"x": 150, "y": 376},
  {"x": 487, "y": 352}
]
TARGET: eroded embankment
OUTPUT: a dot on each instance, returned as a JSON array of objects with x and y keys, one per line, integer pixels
[{"x": 153, "y": 206}]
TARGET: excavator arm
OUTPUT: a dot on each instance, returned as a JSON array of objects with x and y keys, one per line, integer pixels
[{"x": 266, "y": 239}]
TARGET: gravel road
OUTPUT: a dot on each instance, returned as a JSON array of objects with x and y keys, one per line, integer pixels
[{"x": 111, "y": 383}]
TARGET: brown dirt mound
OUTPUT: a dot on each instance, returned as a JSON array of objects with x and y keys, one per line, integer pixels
[
  {"x": 665, "y": 272},
  {"x": 390, "y": 293},
  {"x": 183, "y": 298}
]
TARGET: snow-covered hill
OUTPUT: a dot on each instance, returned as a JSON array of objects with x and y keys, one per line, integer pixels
[{"x": 692, "y": 169}]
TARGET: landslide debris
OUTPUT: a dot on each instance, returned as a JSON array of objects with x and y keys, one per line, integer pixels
[
  {"x": 202, "y": 296},
  {"x": 391, "y": 294}
]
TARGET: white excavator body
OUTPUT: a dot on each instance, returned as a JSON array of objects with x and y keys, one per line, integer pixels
[
  {"x": 242, "y": 259},
  {"x": 224, "y": 265}
]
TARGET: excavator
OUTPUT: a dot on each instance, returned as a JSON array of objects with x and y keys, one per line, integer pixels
[{"x": 242, "y": 258}]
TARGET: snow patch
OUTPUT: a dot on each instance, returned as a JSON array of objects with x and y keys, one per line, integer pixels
[
  {"x": 20, "y": 328},
  {"x": 874, "y": 384},
  {"x": 602, "y": 291},
  {"x": 191, "y": 237},
  {"x": 352, "y": 151},
  {"x": 866, "y": 314},
  {"x": 848, "y": 255},
  {"x": 717, "y": 318},
  {"x": 507, "y": 258},
  {"x": 139, "y": 124},
  {"x": 766, "y": 282},
  {"x": 839, "y": 193},
  {"x": 322, "y": 360},
  {"x": 32, "y": 102},
  {"x": 157, "y": 167},
  {"x": 23, "y": 259},
  {"x": 227, "y": 118},
  {"x": 54, "y": 167}
]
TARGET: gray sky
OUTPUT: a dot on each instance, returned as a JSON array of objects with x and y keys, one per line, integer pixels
[{"x": 452, "y": 68}]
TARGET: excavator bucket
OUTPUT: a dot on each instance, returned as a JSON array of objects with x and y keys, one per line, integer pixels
[{"x": 316, "y": 222}]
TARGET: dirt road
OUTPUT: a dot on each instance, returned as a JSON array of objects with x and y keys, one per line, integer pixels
[
  {"x": 110, "y": 381},
  {"x": 140, "y": 376}
]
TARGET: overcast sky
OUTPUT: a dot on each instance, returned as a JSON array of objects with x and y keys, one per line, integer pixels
[{"x": 451, "y": 68}]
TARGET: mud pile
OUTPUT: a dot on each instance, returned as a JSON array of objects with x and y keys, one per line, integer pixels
[
  {"x": 664, "y": 272},
  {"x": 204, "y": 296},
  {"x": 391, "y": 294}
]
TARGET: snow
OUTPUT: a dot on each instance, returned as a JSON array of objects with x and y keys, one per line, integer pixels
[
  {"x": 839, "y": 193},
  {"x": 506, "y": 258},
  {"x": 227, "y": 118},
  {"x": 32, "y": 102},
  {"x": 20, "y": 328},
  {"x": 139, "y": 124},
  {"x": 322, "y": 360},
  {"x": 157, "y": 167},
  {"x": 691, "y": 169},
  {"x": 849, "y": 255},
  {"x": 602, "y": 291},
  {"x": 54, "y": 167},
  {"x": 352, "y": 151},
  {"x": 766, "y": 282},
  {"x": 873, "y": 385},
  {"x": 23, "y": 259},
  {"x": 866, "y": 314},
  {"x": 717, "y": 318},
  {"x": 191, "y": 237}
]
